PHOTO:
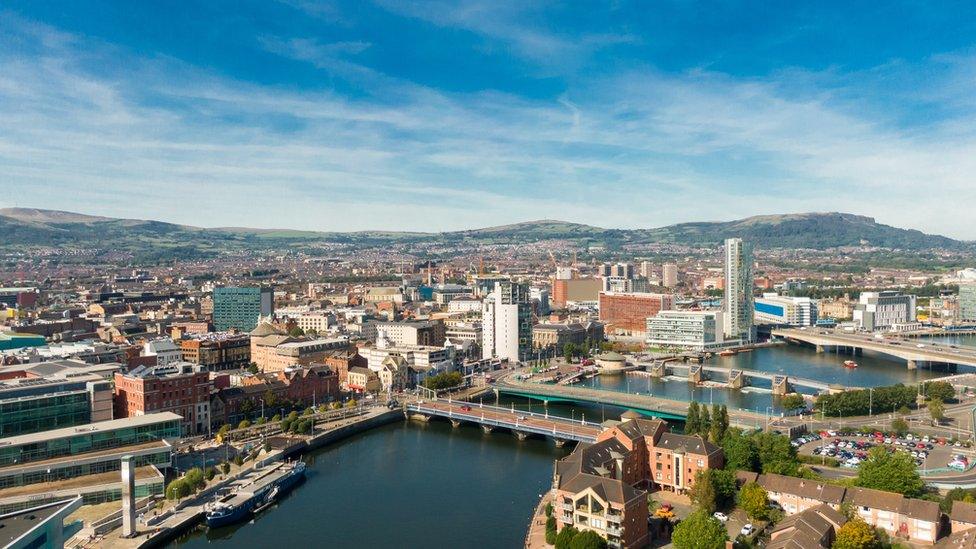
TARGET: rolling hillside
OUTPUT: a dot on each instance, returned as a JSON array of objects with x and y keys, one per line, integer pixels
[{"x": 33, "y": 227}]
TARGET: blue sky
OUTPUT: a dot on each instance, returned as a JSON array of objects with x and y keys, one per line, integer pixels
[{"x": 449, "y": 115}]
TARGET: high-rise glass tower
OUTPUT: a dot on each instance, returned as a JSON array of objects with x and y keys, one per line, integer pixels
[{"x": 738, "y": 305}]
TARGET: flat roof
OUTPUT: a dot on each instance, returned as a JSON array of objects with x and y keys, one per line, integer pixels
[
  {"x": 100, "y": 427},
  {"x": 14, "y": 526},
  {"x": 58, "y": 462}
]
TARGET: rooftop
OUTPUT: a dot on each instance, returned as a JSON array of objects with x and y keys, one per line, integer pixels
[{"x": 100, "y": 427}]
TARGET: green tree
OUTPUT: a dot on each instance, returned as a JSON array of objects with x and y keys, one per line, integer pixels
[
  {"x": 551, "y": 530},
  {"x": 941, "y": 390},
  {"x": 568, "y": 351},
  {"x": 587, "y": 539},
  {"x": 793, "y": 401},
  {"x": 444, "y": 380},
  {"x": 195, "y": 478},
  {"x": 936, "y": 410},
  {"x": 692, "y": 421},
  {"x": 704, "y": 422},
  {"x": 776, "y": 455},
  {"x": 899, "y": 426},
  {"x": 210, "y": 473},
  {"x": 740, "y": 452},
  {"x": 225, "y": 468},
  {"x": 178, "y": 489},
  {"x": 754, "y": 501},
  {"x": 296, "y": 332},
  {"x": 891, "y": 472},
  {"x": 699, "y": 531},
  {"x": 703, "y": 493},
  {"x": 856, "y": 534},
  {"x": 253, "y": 368},
  {"x": 244, "y": 424},
  {"x": 565, "y": 536}
]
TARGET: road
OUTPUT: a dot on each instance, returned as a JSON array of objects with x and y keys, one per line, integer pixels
[
  {"x": 912, "y": 351},
  {"x": 557, "y": 427}
]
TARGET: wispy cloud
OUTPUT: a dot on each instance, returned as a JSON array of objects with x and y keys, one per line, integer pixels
[{"x": 640, "y": 148}]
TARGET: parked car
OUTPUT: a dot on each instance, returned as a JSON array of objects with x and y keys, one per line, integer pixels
[
  {"x": 747, "y": 530},
  {"x": 722, "y": 517}
]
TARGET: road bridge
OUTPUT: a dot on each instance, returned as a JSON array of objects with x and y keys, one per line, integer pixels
[
  {"x": 519, "y": 422},
  {"x": 911, "y": 352},
  {"x": 663, "y": 408}
]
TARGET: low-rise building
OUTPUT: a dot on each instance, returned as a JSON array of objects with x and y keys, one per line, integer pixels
[
  {"x": 363, "y": 380},
  {"x": 775, "y": 309},
  {"x": 963, "y": 516},
  {"x": 555, "y": 336},
  {"x": 814, "y": 528},
  {"x": 180, "y": 387},
  {"x": 911, "y": 519},
  {"x": 217, "y": 351},
  {"x": 693, "y": 330}
]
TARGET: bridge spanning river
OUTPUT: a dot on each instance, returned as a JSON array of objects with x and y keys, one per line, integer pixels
[
  {"x": 519, "y": 422},
  {"x": 737, "y": 377},
  {"x": 912, "y": 351},
  {"x": 663, "y": 408}
]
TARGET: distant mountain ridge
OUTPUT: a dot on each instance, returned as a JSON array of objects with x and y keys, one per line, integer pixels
[{"x": 38, "y": 227}]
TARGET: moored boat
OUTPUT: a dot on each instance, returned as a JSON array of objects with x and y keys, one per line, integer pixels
[
  {"x": 254, "y": 496},
  {"x": 850, "y": 364}
]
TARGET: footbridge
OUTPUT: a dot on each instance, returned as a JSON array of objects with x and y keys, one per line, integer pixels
[
  {"x": 912, "y": 352},
  {"x": 519, "y": 422},
  {"x": 647, "y": 404},
  {"x": 780, "y": 384}
]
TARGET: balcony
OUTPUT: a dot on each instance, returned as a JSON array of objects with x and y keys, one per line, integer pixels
[
  {"x": 566, "y": 506},
  {"x": 615, "y": 530},
  {"x": 614, "y": 517}
]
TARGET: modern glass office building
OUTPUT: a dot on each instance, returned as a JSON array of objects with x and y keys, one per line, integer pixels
[
  {"x": 240, "y": 308},
  {"x": 87, "y": 449}
]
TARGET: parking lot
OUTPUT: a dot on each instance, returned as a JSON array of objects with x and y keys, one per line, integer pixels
[{"x": 929, "y": 453}]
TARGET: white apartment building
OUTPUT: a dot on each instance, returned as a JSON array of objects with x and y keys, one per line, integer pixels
[
  {"x": 878, "y": 311},
  {"x": 166, "y": 351},
  {"x": 693, "y": 330}
]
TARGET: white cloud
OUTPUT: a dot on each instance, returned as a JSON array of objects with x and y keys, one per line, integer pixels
[{"x": 639, "y": 149}]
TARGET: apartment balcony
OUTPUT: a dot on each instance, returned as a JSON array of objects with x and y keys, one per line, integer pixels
[
  {"x": 615, "y": 530},
  {"x": 566, "y": 506},
  {"x": 614, "y": 517}
]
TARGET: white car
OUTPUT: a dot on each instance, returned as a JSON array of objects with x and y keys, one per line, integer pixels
[
  {"x": 747, "y": 530},
  {"x": 722, "y": 517}
]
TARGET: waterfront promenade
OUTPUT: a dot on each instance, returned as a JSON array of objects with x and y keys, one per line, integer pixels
[{"x": 183, "y": 515}]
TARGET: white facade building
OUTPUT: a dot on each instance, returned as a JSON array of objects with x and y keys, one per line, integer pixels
[
  {"x": 877, "y": 311},
  {"x": 506, "y": 319},
  {"x": 694, "y": 330},
  {"x": 773, "y": 308},
  {"x": 166, "y": 351}
]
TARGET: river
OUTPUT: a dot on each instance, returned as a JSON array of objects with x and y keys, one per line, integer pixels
[
  {"x": 873, "y": 371},
  {"x": 406, "y": 485},
  {"x": 413, "y": 484}
]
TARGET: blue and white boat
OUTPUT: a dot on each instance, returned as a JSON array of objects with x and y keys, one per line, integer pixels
[{"x": 255, "y": 494}]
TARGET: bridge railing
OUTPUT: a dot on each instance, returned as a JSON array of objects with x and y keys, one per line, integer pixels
[
  {"x": 513, "y": 410},
  {"x": 571, "y": 431}
]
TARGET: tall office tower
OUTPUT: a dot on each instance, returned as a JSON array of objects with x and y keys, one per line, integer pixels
[
  {"x": 506, "y": 322},
  {"x": 646, "y": 269},
  {"x": 241, "y": 307},
  {"x": 967, "y": 302},
  {"x": 738, "y": 305},
  {"x": 669, "y": 275}
]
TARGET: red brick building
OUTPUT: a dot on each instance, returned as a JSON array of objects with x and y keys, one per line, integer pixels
[
  {"x": 342, "y": 361},
  {"x": 603, "y": 486},
  {"x": 181, "y": 388},
  {"x": 628, "y": 312}
]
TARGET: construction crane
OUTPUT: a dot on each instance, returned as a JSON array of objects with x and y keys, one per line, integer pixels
[{"x": 555, "y": 264}]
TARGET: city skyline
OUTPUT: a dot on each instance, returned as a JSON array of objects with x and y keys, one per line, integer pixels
[{"x": 407, "y": 116}]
